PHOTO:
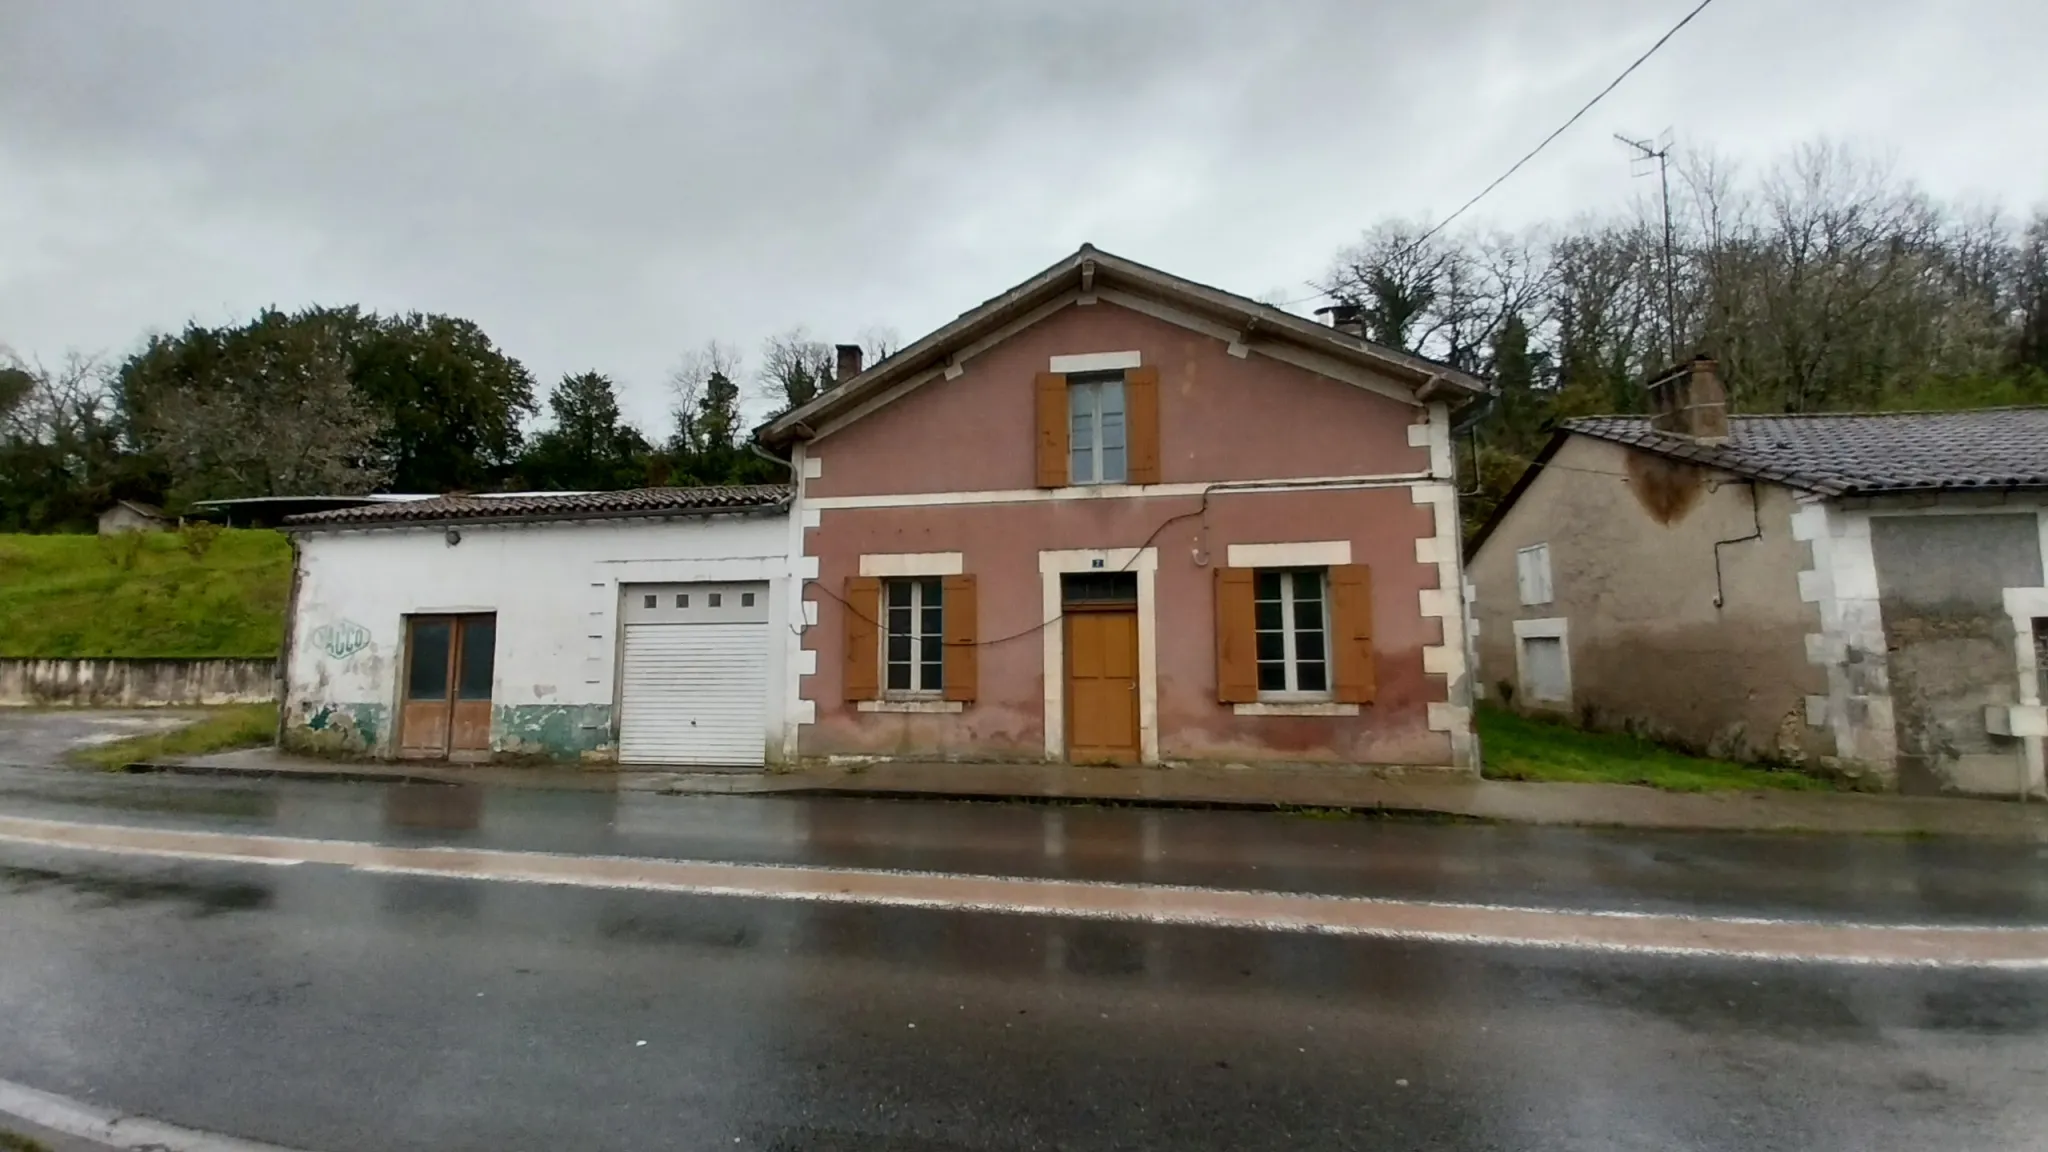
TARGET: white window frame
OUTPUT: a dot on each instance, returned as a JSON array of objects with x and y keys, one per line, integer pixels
[
  {"x": 1532, "y": 575},
  {"x": 1093, "y": 384},
  {"x": 1291, "y": 667},
  {"x": 1553, "y": 628},
  {"x": 918, "y": 635}
]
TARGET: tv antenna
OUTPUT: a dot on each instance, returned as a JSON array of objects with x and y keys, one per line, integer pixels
[{"x": 1640, "y": 166}]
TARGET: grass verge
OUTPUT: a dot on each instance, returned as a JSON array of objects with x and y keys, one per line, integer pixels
[
  {"x": 1518, "y": 747},
  {"x": 150, "y": 594},
  {"x": 16, "y": 1142},
  {"x": 220, "y": 730}
]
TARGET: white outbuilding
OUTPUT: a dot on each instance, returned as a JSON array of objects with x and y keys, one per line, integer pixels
[{"x": 651, "y": 626}]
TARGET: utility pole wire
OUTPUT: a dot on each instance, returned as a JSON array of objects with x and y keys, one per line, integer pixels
[{"x": 1517, "y": 166}]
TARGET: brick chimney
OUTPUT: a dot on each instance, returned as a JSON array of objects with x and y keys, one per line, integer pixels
[
  {"x": 1688, "y": 400},
  {"x": 849, "y": 362},
  {"x": 1346, "y": 318}
]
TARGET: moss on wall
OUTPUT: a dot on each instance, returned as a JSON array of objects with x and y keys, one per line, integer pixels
[
  {"x": 580, "y": 732},
  {"x": 336, "y": 729}
]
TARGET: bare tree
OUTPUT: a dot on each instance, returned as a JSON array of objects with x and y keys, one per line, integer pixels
[
  {"x": 794, "y": 368},
  {"x": 686, "y": 389}
]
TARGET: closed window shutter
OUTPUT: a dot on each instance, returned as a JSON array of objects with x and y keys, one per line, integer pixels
[
  {"x": 1052, "y": 430},
  {"x": 862, "y": 675},
  {"x": 1351, "y": 619},
  {"x": 962, "y": 670},
  {"x": 1141, "y": 425},
  {"x": 1237, "y": 666}
]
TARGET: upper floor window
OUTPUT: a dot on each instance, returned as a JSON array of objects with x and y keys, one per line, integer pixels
[
  {"x": 1532, "y": 574},
  {"x": 1095, "y": 441}
]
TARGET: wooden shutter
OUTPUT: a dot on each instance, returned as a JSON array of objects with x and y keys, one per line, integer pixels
[
  {"x": 862, "y": 675},
  {"x": 962, "y": 668},
  {"x": 1351, "y": 624},
  {"x": 1141, "y": 425},
  {"x": 1052, "y": 430},
  {"x": 1237, "y": 663}
]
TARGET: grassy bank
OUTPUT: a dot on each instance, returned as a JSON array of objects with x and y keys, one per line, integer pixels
[
  {"x": 143, "y": 595},
  {"x": 220, "y": 730},
  {"x": 1518, "y": 747}
]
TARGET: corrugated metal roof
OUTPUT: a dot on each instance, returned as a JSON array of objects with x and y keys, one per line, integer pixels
[
  {"x": 1862, "y": 453},
  {"x": 552, "y": 506}
]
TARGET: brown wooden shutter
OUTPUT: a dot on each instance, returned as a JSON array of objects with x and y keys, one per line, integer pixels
[
  {"x": 962, "y": 611},
  {"x": 1351, "y": 622},
  {"x": 1141, "y": 425},
  {"x": 1052, "y": 430},
  {"x": 862, "y": 675},
  {"x": 1237, "y": 664}
]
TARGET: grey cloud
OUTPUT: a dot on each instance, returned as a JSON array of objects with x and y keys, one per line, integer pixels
[{"x": 606, "y": 185}]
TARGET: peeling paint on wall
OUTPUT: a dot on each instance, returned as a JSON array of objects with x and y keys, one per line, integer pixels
[
  {"x": 336, "y": 729},
  {"x": 553, "y": 732}
]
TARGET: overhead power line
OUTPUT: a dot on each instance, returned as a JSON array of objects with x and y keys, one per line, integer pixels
[
  {"x": 1601, "y": 95},
  {"x": 1560, "y": 130}
]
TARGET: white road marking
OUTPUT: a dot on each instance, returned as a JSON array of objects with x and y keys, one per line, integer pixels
[
  {"x": 1751, "y": 938},
  {"x": 113, "y": 1129}
]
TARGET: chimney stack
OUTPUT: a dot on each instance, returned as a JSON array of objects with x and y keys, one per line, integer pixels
[
  {"x": 849, "y": 362},
  {"x": 1346, "y": 318},
  {"x": 1688, "y": 400}
]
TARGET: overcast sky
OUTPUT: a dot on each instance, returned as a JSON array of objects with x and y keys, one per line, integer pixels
[{"x": 605, "y": 185}]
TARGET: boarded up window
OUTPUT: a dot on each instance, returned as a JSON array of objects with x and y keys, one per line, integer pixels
[
  {"x": 1532, "y": 574},
  {"x": 1545, "y": 677}
]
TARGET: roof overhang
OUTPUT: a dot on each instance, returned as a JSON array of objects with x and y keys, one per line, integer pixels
[{"x": 1092, "y": 271}]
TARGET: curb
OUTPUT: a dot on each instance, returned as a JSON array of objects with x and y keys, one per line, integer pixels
[
  {"x": 106, "y": 1128},
  {"x": 316, "y": 775}
]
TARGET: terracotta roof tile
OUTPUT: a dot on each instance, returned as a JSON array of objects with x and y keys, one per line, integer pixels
[{"x": 552, "y": 506}]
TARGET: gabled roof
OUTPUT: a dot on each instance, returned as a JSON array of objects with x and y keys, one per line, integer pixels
[
  {"x": 1861, "y": 453},
  {"x": 1838, "y": 453},
  {"x": 1091, "y": 269},
  {"x": 552, "y": 506},
  {"x": 149, "y": 511}
]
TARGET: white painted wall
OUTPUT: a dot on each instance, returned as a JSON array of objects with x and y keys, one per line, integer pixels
[{"x": 554, "y": 587}]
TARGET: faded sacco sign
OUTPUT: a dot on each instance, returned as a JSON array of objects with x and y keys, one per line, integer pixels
[{"x": 341, "y": 639}]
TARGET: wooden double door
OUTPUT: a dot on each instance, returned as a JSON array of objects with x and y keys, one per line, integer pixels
[
  {"x": 450, "y": 662},
  {"x": 1102, "y": 683}
]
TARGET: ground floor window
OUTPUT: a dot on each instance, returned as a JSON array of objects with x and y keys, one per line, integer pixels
[
  {"x": 914, "y": 655},
  {"x": 1292, "y": 633}
]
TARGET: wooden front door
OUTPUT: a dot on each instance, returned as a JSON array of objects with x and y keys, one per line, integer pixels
[
  {"x": 1102, "y": 685},
  {"x": 449, "y": 664}
]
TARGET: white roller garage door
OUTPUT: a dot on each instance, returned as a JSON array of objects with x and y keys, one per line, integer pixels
[{"x": 695, "y": 676}]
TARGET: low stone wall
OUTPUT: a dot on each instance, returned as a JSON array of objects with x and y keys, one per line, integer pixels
[{"x": 136, "y": 683}]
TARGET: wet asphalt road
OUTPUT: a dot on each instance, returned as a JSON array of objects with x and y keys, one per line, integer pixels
[
  {"x": 337, "y": 1010},
  {"x": 1875, "y": 879}
]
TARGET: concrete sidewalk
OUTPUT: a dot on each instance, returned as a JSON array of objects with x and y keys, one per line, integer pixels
[{"x": 1597, "y": 805}]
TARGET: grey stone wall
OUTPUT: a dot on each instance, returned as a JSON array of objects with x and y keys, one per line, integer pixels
[
  {"x": 136, "y": 683},
  {"x": 1950, "y": 645}
]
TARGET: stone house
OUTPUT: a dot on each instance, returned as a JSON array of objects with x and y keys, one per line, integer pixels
[
  {"x": 132, "y": 516},
  {"x": 1861, "y": 593}
]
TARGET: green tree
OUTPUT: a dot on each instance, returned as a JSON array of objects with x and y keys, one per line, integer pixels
[
  {"x": 590, "y": 447},
  {"x": 266, "y": 409},
  {"x": 451, "y": 402}
]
